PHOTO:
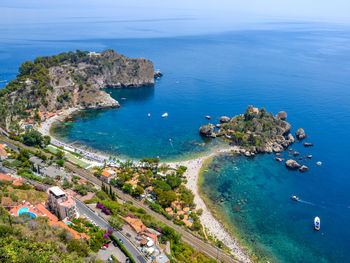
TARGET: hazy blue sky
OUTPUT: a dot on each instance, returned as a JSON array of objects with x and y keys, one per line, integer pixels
[
  {"x": 125, "y": 18},
  {"x": 325, "y": 10}
]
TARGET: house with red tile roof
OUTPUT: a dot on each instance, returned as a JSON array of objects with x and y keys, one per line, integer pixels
[
  {"x": 136, "y": 224},
  {"x": 107, "y": 174},
  {"x": 3, "y": 153},
  {"x": 5, "y": 177}
]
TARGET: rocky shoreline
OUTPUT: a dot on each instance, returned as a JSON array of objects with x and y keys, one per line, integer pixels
[{"x": 255, "y": 131}]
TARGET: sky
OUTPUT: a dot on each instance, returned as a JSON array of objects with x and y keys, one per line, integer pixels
[
  {"x": 321, "y": 10},
  {"x": 146, "y": 18}
]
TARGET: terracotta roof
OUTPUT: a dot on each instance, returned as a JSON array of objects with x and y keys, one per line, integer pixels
[
  {"x": 256, "y": 110},
  {"x": 106, "y": 174},
  {"x": 40, "y": 210},
  {"x": 2, "y": 149},
  {"x": 152, "y": 236},
  {"x": 5, "y": 177},
  {"x": 186, "y": 209},
  {"x": 150, "y": 188},
  {"x": 136, "y": 224}
]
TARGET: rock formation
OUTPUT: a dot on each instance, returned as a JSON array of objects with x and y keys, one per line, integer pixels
[
  {"x": 303, "y": 168},
  {"x": 256, "y": 131},
  {"x": 207, "y": 130},
  {"x": 282, "y": 115},
  {"x": 224, "y": 119},
  {"x": 308, "y": 144},
  {"x": 300, "y": 134},
  {"x": 292, "y": 164}
]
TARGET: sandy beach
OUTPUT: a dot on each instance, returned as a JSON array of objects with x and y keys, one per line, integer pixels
[{"x": 213, "y": 226}]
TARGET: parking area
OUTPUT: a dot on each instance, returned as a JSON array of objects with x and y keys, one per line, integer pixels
[{"x": 104, "y": 254}]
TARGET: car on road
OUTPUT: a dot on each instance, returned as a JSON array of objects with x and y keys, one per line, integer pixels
[
  {"x": 106, "y": 245},
  {"x": 127, "y": 260},
  {"x": 121, "y": 240}
]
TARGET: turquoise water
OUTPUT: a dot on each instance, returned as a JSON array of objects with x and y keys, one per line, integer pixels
[
  {"x": 257, "y": 203},
  {"x": 24, "y": 210},
  {"x": 302, "y": 68}
]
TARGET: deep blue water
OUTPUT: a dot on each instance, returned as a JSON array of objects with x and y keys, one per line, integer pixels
[{"x": 301, "y": 69}]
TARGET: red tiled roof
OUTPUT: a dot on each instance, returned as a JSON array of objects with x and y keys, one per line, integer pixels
[{"x": 5, "y": 177}]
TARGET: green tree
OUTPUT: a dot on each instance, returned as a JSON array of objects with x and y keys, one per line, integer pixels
[
  {"x": 116, "y": 222},
  {"x": 128, "y": 188},
  {"x": 138, "y": 191},
  {"x": 166, "y": 197},
  {"x": 33, "y": 138},
  {"x": 80, "y": 247},
  {"x": 173, "y": 181}
]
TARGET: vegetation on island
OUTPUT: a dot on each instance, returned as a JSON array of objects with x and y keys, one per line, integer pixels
[{"x": 255, "y": 130}]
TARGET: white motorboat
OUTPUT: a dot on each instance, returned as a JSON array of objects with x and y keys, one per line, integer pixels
[
  {"x": 317, "y": 223},
  {"x": 149, "y": 115},
  {"x": 295, "y": 198},
  {"x": 165, "y": 115}
]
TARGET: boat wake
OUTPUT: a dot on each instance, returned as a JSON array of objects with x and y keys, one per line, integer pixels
[
  {"x": 310, "y": 203},
  {"x": 306, "y": 202},
  {"x": 171, "y": 143}
]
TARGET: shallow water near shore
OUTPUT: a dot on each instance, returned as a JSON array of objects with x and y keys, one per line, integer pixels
[
  {"x": 253, "y": 196},
  {"x": 304, "y": 71}
]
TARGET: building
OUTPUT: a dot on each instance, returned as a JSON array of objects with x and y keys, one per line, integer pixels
[
  {"x": 107, "y": 174},
  {"x": 3, "y": 153},
  {"x": 5, "y": 177},
  {"x": 256, "y": 110},
  {"x": 39, "y": 210},
  {"x": 61, "y": 203},
  {"x": 136, "y": 224}
]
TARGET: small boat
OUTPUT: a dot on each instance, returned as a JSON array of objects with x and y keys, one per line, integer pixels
[
  {"x": 169, "y": 140},
  {"x": 317, "y": 223},
  {"x": 319, "y": 163},
  {"x": 149, "y": 114},
  {"x": 208, "y": 117},
  {"x": 165, "y": 115},
  {"x": 293, "y": 197},
  {"x": 123, "y": 98}
]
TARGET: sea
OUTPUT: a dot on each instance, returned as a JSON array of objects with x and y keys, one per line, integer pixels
[{"x": 299, "y": 67}]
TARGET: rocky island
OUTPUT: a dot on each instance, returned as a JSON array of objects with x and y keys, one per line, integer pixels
[
  {"x": 73, "y": 79},
  {"x": 255, "y": 131}
]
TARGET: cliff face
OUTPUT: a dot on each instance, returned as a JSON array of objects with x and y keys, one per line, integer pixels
[{"x": 73, "y": 79}]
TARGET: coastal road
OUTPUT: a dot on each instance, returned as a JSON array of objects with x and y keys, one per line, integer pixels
[
  {"x": 187, "y": 237},
  {"x": 84, "y": 210}
]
